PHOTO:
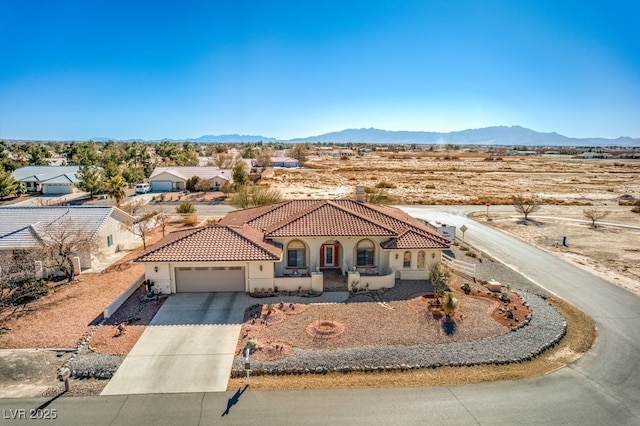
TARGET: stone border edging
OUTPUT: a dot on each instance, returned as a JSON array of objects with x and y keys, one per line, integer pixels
[{"x": 543, "y": 330}]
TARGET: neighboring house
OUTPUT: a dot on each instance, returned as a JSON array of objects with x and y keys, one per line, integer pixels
[
  {"x": 109, "y": 229},
  {"x": 289, "y": 244},
  {"x": 48, "y": 179},
  {"x": 174, "y": 178},
  {"x": 285, "y": 162},
  {"x": 280, "y": 162}
]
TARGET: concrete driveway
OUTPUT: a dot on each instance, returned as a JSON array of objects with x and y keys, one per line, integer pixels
[{"x": 188, "y": 347}]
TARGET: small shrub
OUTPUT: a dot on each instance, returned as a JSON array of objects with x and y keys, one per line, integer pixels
[
  {"x": 186, "y": 208},
  {"x": 385, "y": 185},
  {"x": 190, "y": 220}
]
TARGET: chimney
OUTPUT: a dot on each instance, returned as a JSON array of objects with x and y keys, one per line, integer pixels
[{"x": 361, "y": 196}]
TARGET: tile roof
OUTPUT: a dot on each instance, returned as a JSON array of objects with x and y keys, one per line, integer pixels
[
  {"x": 414, "y": 238},
  {"x": 333, "y": 218},
  {"x": 26, "y": 226},
  {"x": 245, "y": 235},
  {"x": 328, "y": 219},
  {"x": 213, "y": 243}
]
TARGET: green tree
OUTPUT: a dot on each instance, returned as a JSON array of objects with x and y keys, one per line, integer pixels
[
  {"x": 92, "y": 179},
  {"x": 239, "y": 176},
  {"x": 167, "y": 151},
  {"x": 83, "y": 153},
  {"x": 191, "y": 183},
  {"x": 299, "y": 152},
  {"x": 10, "y": 186},
  {"x": 133, "y": 174},
  {"x": 116, "y": 188}
]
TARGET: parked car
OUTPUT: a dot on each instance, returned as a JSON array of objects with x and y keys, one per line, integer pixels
[{"x": 143, "y": 188}]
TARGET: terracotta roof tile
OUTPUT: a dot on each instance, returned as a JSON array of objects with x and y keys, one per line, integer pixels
[
  {"x": 414, "y": 238},
  {"x": 328, "y": 219},
  {"x": 213, "y": 243},
  {"x": 245, "y": 234}
]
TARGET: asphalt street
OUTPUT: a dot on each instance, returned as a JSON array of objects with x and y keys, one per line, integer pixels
[{"x": 602, "y": 387}]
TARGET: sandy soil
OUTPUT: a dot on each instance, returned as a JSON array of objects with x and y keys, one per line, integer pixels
[
  {"x": 464, "y": 178},
  {"x": 611, "y": 252}
]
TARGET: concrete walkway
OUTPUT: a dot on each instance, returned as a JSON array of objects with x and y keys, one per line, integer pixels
[{"x": 190, "y": 344}]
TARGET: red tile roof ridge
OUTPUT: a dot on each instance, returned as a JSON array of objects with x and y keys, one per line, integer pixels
[{"x": 320, "y": 205}]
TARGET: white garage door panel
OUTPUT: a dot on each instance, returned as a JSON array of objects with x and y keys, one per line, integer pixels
[
  {"x": 57, "y": 189},
  {"x": 203, "y": 279},
  {"x": 161, "y": 185}
]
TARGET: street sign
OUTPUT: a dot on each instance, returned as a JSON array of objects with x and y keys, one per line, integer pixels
[{"x": 488, "y": 204}]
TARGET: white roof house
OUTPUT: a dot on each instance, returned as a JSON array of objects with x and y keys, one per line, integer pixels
[
  {"x": 174, "y": 178},
  {"x": 27, "y": 227},
  {"x": 48, "y": 179}
]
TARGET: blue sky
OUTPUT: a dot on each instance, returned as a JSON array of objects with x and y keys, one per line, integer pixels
[{"x": 285, "y": 69}]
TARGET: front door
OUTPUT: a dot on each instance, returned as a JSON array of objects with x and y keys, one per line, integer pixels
[{"x": 328, "y": 256}]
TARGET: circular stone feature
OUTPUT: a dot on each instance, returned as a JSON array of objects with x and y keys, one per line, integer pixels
[{"x": 325, "y": 329}]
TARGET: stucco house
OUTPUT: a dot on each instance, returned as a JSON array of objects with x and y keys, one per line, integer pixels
[
  {"x": 174, "y": 178},
  {"x": 108, "y": 228},
  {"x": 284, "y": 162},
  {"x": 48, "y": 179},
  {"x": 291, "y": 245}
]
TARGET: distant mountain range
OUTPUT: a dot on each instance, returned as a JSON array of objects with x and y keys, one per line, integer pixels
[{"x": 496, "y": 135}]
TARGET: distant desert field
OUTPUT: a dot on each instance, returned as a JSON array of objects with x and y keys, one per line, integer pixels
[
  {"x": 462, "y": 178},
  {"x": 565, "y": 187}
]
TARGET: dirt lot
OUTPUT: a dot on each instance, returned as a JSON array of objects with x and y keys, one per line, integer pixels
[
  {"x": 565, "y": 186},
  {"x": 463, "y": 178},
  {"x": 611, "y": 252}
]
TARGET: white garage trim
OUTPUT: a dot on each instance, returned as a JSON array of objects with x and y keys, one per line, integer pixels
[{"x": 209, "y": 279}]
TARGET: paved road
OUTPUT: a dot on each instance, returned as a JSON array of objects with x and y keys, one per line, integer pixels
[{"x": 603, "y": 387}]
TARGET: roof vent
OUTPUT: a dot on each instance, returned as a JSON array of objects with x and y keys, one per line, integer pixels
[{"x": 361, "y": 196}]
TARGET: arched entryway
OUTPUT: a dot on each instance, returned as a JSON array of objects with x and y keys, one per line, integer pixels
[{"x": 331, "y": 255}]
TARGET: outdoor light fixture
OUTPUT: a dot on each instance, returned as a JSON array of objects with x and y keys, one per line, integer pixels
[
  {"x": 433, "y": 255},
  {"x": 155, "y": 268},
  {"x": 396, "y": 255},
  {"x": 261, "y": 267}
]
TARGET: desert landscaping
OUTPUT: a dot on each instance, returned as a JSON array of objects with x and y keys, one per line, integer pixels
[{"x": 565, "y": 187}]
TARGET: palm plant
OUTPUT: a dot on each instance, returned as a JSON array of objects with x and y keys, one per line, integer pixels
[{"x": 116, "y": 187}]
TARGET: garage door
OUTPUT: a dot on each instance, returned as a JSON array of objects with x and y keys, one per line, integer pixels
[
  {"x": 161, "y": 185},
  {"x": 56, "y": 189},
  {"x": 201, "y": 279}
]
